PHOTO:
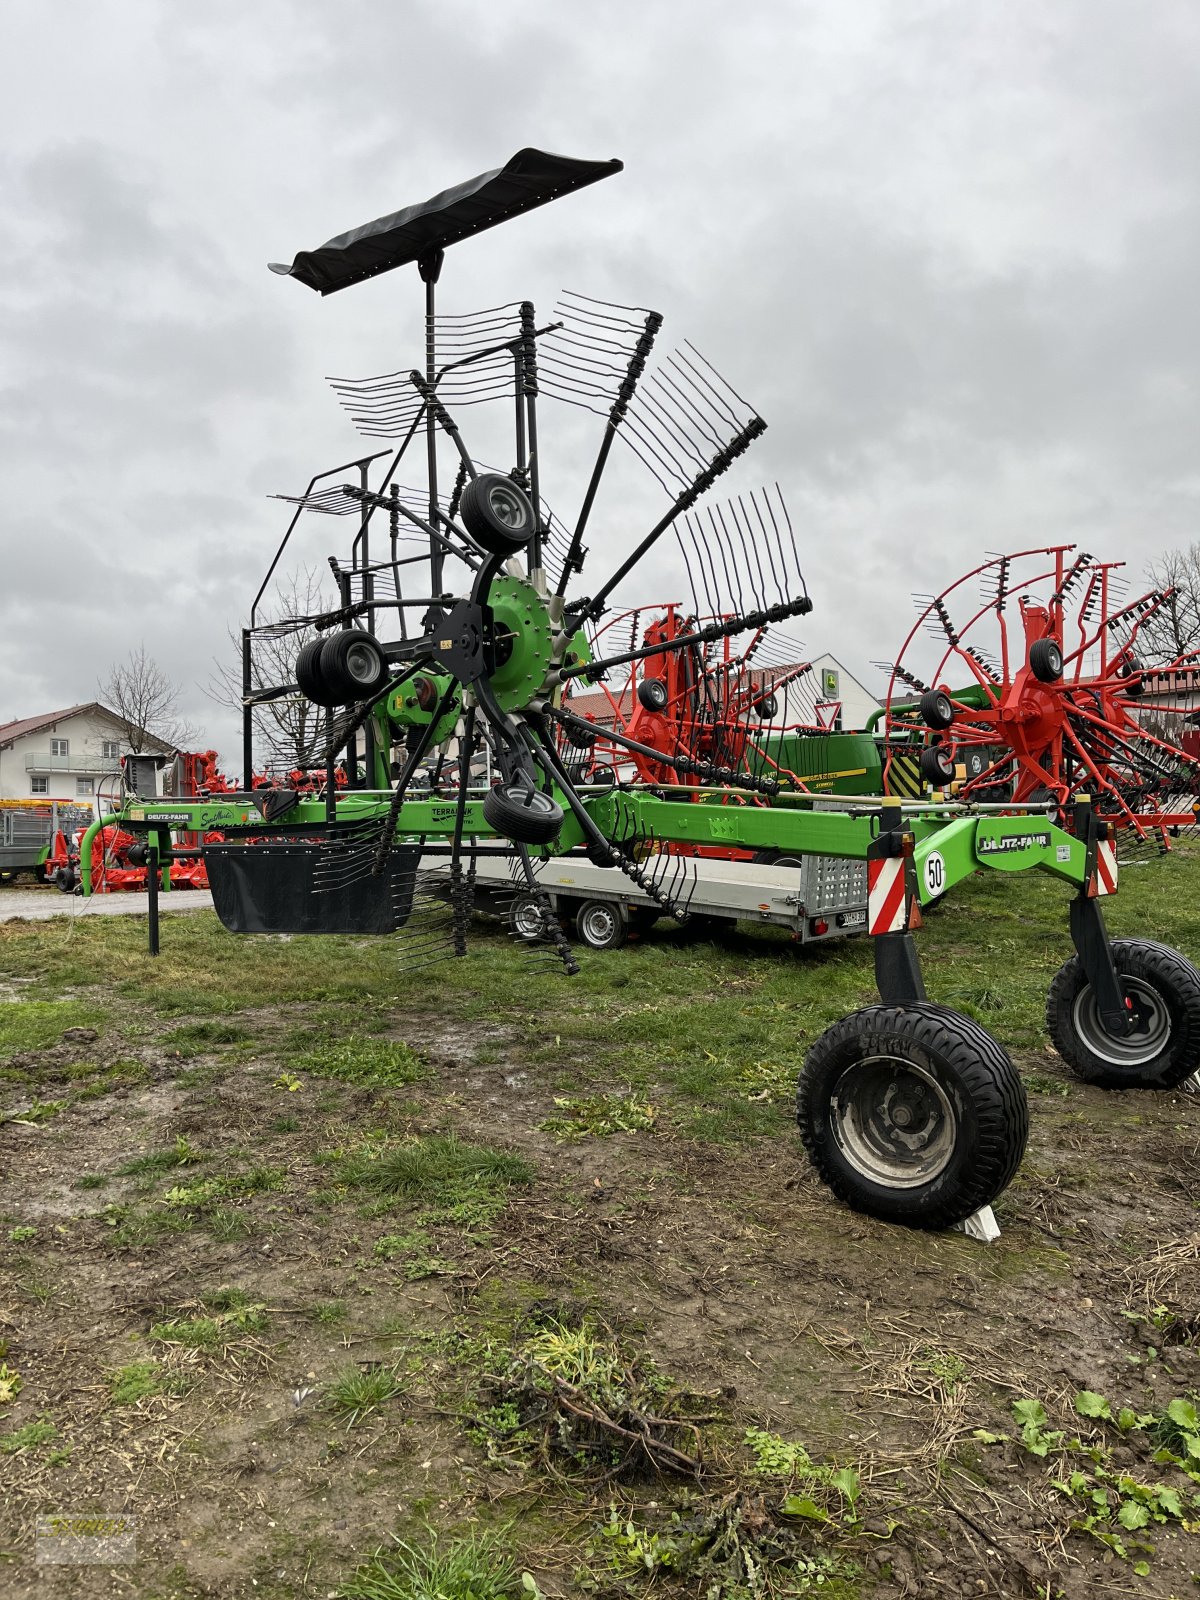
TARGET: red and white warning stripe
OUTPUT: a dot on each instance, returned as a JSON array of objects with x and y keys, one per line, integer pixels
[
  {"x": 1106, "y": 867},
  {"x": 885, "y": 895}
]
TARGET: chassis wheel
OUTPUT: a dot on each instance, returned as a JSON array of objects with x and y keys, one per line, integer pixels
[
  {"x": 601, "y": 926},
  {"x": 1164, "y": 991},
  {"x": 912, "y": 1113},
  {"x": 523, "y": 814},
  {"x": 497, "y": 514}
]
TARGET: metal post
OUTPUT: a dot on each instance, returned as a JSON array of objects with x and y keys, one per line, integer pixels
[
  {"x": 247, "y": 713},
  {"x": 429, "y": 267},
  {"x": 152, "y": 887}
]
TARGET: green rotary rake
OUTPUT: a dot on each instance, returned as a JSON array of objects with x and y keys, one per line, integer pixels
[{"x": 443, "y": 661}]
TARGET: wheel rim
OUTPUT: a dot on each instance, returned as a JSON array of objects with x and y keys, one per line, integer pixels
[
  {"x": 527, "y": 919},
  {"x": 533, "y": 800},
  {"x": 1136, "y": 1049},
  {"x": 361, "y": 663},
  {"x": 506, "y": 507},
  {"x": 599, "y": 924},
  {"x": 894, "y": 1122}
]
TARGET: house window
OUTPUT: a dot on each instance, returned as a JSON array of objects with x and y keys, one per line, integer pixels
[
  {"x": 60, "y": 747},
  {"x": 39, "y": 785},
  {"x": 110, "y": 749},
  {"x": 83, "y": 788}
]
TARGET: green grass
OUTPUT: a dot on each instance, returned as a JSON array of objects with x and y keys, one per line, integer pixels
[
  {"x": 597, "y": 1116},
  {"x": 180, "y": 1154},
  {"x": 371, "y": 1063},
  {"x": 28, "y": 1437},
  {"x": 33, "y": 1024},
  {"x": 198, "y": 1038},
  {"x": 474, "y": 1568},
  {"x": 227, "y": 1315},
  {"x": 358, "y": 1391},
  {"x": 434, "y": 1167},
  {"x": 140, "y": 1380}
]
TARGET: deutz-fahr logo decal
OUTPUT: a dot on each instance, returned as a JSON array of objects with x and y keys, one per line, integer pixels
[{"x": 1013, "y": 841}]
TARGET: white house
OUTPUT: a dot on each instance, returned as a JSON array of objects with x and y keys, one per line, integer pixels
[{"x": 65, "y": 755}]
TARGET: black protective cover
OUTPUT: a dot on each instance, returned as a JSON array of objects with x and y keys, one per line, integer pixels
[
  {"x": 530, "y": 179},
  {"x": 270, "y": 889}
]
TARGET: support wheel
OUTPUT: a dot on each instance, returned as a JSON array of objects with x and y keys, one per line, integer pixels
[
  {"x": 601, "y": 926},
  {"x": 912, "y": 1113},
  {"x": 936, "y": 709},
  {"x": 1045, "y": 660},
  {"x": 352, "y": 667},
  {"x": 937, "y": 765},
  {"x": 652, "y": 694},
  {"x": 1163, "y": 1049},
  {"x": 497, "y": 514},
  {"x": 521, "y": 813}
]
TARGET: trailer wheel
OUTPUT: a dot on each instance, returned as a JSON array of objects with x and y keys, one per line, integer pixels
[
  {"x": 776, "y": 858},
  {"x": 497, "y": 514},
  {"x": 601, "y": 926},
  {"x": 527, "y": 918},
  {"x": 519, "y": 812},
  {"x": 912, "y": 1113},
  {"x": 1164, "y": 991}
]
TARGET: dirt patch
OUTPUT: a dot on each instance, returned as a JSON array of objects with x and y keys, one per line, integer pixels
[{"x": 726, "y": 1262}]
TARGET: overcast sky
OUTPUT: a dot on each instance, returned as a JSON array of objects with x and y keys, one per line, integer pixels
[{"x": 949, "y": 251}]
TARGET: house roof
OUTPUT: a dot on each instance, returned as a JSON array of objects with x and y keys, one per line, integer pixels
[{"x": 10, "y": 732}]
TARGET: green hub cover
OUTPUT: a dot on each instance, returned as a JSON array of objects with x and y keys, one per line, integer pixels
[{"x": 521, "y": 641}]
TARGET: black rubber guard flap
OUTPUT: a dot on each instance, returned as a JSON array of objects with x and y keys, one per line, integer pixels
[
  {"x": 530, "y": 179},
  {"x": 271, "y": 889}
]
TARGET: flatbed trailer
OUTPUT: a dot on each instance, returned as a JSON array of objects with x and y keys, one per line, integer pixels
[{"x": 817, "y": 898}]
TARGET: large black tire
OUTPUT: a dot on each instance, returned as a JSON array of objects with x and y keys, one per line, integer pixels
[
  {"x": 1046, "y": 660},
  {"x": 912, "y": 1113},
  {"x": 601, "y": 926},
  {"x": 352, "y": 667},
  {"x": 652, "y": 693},
  {"x": 936, "y": 709},
  {"x": 767, "y": 708},
  {"x": 497, "y": 513},
  {"x": 1165, "y": 990},
  {"x": 523, "y": 814}
]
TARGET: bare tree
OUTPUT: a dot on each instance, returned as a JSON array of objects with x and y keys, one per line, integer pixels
[
  {"x": 1175, "y": 627},
  {"x": 290, "y": 732},
  {"x": 146, "y": 701}
]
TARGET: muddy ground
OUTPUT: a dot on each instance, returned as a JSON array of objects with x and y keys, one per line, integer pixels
[{"x": 720, "y": 1257}]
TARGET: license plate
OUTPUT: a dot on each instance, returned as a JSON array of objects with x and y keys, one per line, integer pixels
[{"x": 854, "y": 919}]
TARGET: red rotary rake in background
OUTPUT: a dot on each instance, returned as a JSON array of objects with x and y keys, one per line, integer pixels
[
  {"x": 1042, "y": 690},
  {"x": 720, "y": 705}
]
